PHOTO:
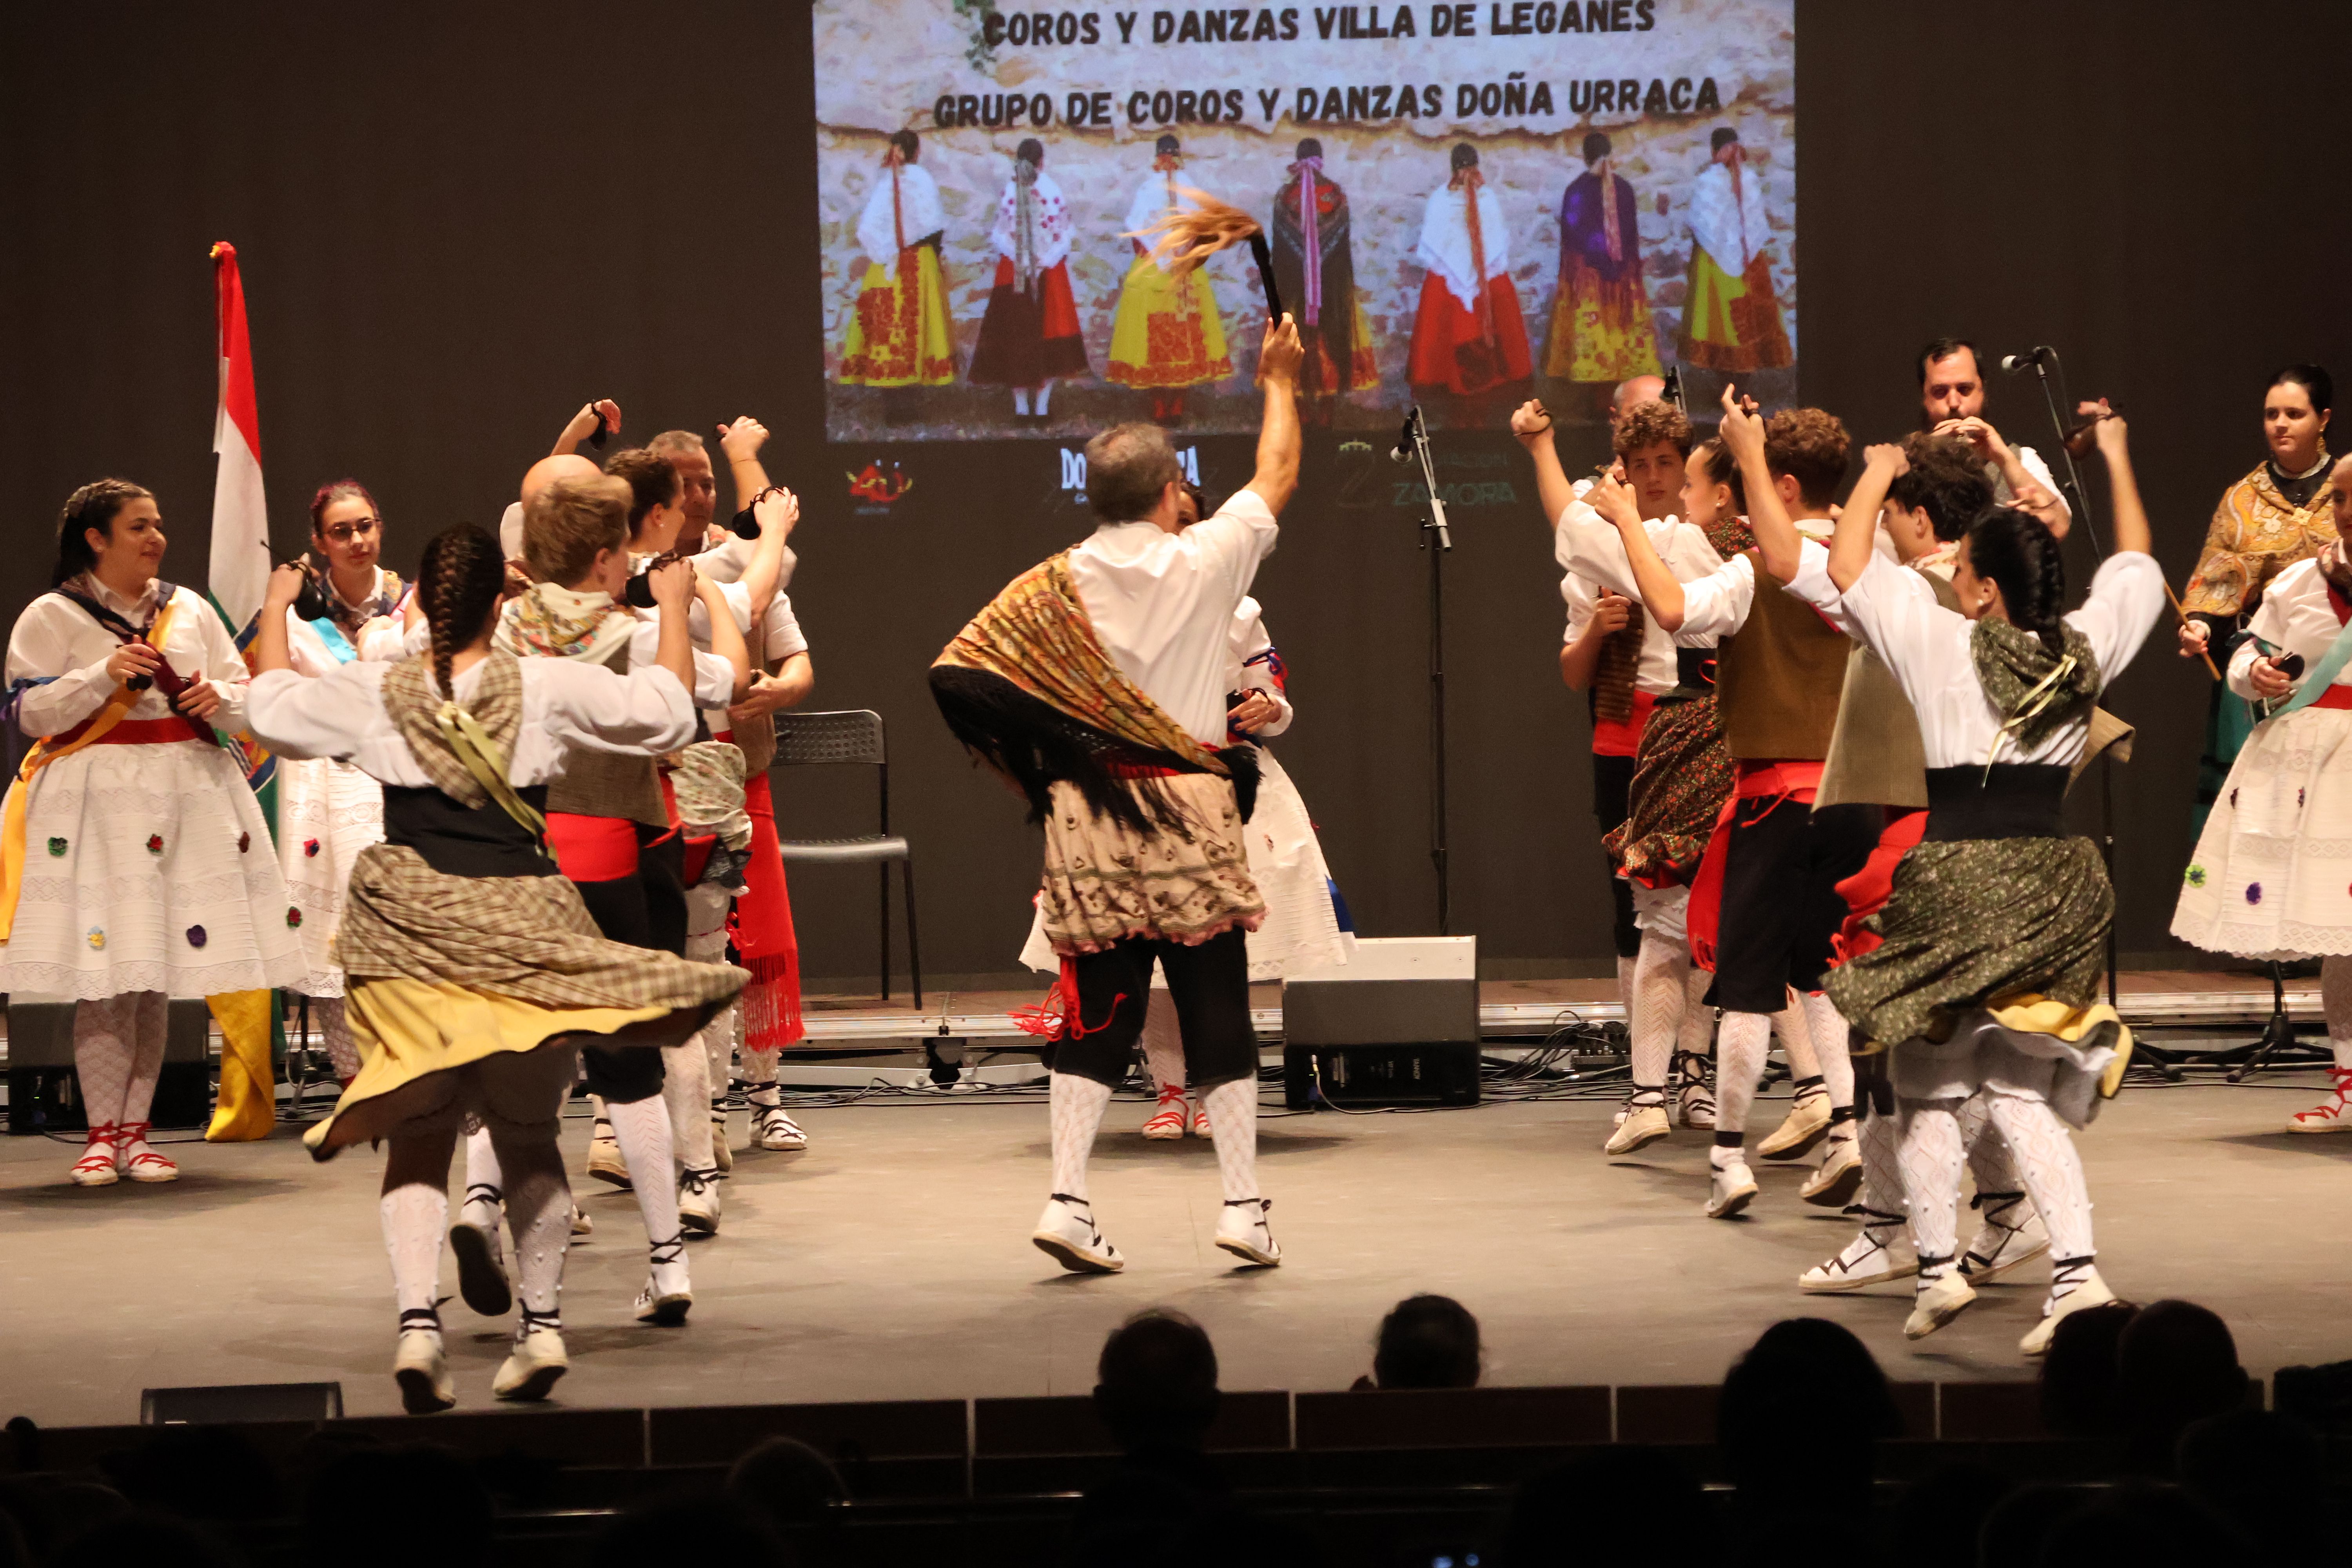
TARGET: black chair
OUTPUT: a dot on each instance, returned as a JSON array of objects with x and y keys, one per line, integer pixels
[{"x": 806, "y": 739}]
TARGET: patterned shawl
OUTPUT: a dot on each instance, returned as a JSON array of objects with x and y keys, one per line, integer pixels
[
  {"x": 1027, "y": 687},
  {"x": 415, "y": 701},
  {"x": 2036, "y": 694}
]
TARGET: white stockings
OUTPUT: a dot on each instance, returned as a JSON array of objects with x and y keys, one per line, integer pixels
[
  {"x": 685, "y": 1099},
  {"x": 1661, "y": 1002},
  {"x": 1740, "y": 1045},
  {"x": 1077, "y": 1105},
  {"x": 119, "y": 1054},
  {"x": 1163, "y": 1045},
  {"x": 2052, "y": 1170},
  {"x": 1232, "y": 1122},
  {"x": 415, "y": 1210},
  {"x": 1932, "y": 1155},
  {"x": 641, "y": 1130}
]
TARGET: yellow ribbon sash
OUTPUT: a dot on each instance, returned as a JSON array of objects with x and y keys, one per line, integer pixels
[{"x": 12, "y": 824}]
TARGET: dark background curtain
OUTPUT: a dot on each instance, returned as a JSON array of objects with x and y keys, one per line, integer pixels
[{"x": 459, "y": 222}]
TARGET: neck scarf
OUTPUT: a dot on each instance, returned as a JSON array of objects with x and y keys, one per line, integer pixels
[
  {"x": 462, "y": 747},
  {"x": 549, "y": 622},
  {"x": 1469, "y": 182},
  {"x": 1611, "y": 232},
  {"x": 2036, "y": 694},
  {"x": 1310, "y": 242}
]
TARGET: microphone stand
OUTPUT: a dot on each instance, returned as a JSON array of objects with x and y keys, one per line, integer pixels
[{"x": 1438, "y": 541}]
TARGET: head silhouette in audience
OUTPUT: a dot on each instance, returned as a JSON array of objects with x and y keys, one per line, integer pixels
[
  {"x": 1804, "y": 1374},
  {"x": 1157, "y": 1382},
  {"x": 2176, "y": 1363},
  {"x": 2078, "y": 1379},
  {"x": 1939, "y": 1517},
  {"x": 2146, "y": 1526},
  {"x": 2262, "y": 1472},
  {"x": 790, "y": 1482},
  {"x": 1426, "y": 1341}
]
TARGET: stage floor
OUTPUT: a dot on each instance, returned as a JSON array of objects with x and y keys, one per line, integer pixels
[{"x": 892, "y": 1259}]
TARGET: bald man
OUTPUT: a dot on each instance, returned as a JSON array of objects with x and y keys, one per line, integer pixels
[{"x": 562, "y": 462}]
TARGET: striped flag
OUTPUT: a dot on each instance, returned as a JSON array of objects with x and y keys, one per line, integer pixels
[{"x": 240, "y": 559}]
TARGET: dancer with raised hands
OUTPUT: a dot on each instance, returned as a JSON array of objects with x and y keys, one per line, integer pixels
[
  {"x": 1985, "y": 975},
  {"x": 474, "y": 970},
  {"x": 135, "y": 865}
]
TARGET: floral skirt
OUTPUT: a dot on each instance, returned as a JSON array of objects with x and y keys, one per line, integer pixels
[
  {"x": 327, "y": 813},
  {"x": 1681, "y": 776},
  {"x": 1105, "y": 883},
  {"x": 1167, "y": 333}
]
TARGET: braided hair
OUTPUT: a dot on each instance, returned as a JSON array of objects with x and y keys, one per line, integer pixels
[
  {"x": 457, "y": 586},
  {"x": 2017, "y": 554},
  {"x": 92, "y": 506}
]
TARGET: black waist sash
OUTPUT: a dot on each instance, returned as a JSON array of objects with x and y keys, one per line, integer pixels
[
  {"x": 466, "y": 841},
  {"x": 2012, "y": 800},
  {"x": 1695, "y": 668}
]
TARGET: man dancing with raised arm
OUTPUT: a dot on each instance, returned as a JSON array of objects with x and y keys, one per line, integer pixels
[{"x": 1096, "y": 684}]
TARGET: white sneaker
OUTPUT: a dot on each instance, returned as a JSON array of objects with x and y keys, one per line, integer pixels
[
  {"x": 1643, "y": 1124},
  {"x": 1879, "y": 1253},
  {"x": 2329, "y": 1114},
  {"x": 1695, "y": 1108},
  {"x": 421, "y": 1366},
  {"x": 1242, "y": 1230},
  {"x": 1806, "y": 1123},
  {"x": 697, "y": 1202},
  {"x": 1938, "y": 1301},
  {"x": 1067, "y": 1233},
  {"x": 604, "y": 1161},
  {"x": 1833, "y": 1186},
  {"x": 580, "y": 1224},
  {"x": 2084, "y": 1288},
  {"x": 482, "y": 1264},
  {"x": 535, "y": 1363},
  {"x": 1733, "y": 1188},
  {"x": 2011, "y": 1234},
  {"x": 771, "y": 1129},
  {"x": 721, "y": 1156},
  {"x": 668, "y": 1293}
]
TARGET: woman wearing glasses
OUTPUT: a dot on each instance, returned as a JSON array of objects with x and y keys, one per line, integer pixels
[{"x": 329, "y": 811}]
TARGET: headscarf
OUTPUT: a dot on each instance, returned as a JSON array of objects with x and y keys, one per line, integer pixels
[{"x": 1310, "y": 242}]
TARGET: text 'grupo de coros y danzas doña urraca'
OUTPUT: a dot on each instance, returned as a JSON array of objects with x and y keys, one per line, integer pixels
[{"x": 1004, "y": 32}]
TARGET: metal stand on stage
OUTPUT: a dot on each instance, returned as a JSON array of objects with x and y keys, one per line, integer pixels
[{"x": 1412, "y": 446}]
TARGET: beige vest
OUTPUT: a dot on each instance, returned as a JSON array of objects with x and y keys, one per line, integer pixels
[
  {"x": 1877, "y": 757},
  {"x": 1777, "y": 682},
  {"x": 610, "y": 783}
]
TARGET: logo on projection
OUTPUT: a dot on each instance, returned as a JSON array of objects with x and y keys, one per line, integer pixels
[
  {"x": 876, "y": 489},
  {"x": 1074, "y": 472}
]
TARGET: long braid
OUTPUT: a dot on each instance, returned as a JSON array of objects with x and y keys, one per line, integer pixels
[
  {"x": 457, "y": 585},
  {"x": 2018, "y": 555},
  {"x": 2049, "y": 589}
]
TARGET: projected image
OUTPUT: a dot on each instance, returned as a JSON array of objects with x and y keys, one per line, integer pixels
[{"x": 1465, "y": 205}]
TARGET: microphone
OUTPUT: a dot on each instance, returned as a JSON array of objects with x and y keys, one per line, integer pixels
[
  {"x": 1402, "y": 452},
  {"x": 2031, "y": 359}
]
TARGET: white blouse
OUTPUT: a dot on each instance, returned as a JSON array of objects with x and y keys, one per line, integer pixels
[
  {"x": 306, "y": 646},
  {"x": 1250, "y": 640},
  {"x": 565, "y": 703},
  {"x": 1592, "y": 552},
  {"x": 1894, "y": 611},
  {"x": 55, "y": 637},
  {"x": 1162, "y": 604},
  {"x": 2294, "y": 616}
]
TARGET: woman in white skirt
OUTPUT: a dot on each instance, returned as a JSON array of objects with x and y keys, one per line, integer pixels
[
  {"x": 1306, "y": 927},
  {"x": 2272, "y": 876},
  {"x": 330, "y": 811},
  {"x": 135, "y": 865}
]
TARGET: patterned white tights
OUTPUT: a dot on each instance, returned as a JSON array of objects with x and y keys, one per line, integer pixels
[
  {"x": 1829, "y": 1035},
  {"x": 119, "y": 1054},
  {"x": 1881, "y": 1147},
  {"x": 641, "y": 1130},
  {"x": 538, "y": 1213},
  {"x": 1932, "y": 1155},
  {"x": 1739, "y": 1063},
  {"x": 415, "y": 1211},
  {"x": 1232, "y": 1122},
  {"x": 332, "y": 1020},
  {"x": 2336, "y": 1000},
  {"x": 685, "y": 1099},
  {"x": 2052, "y": 1170},
  {"x": 1077, "y": 1105},
  {"x": 1164, "y": 1044},
  {"x": 1661, "y": 1000},
  {"x": 1988, "y": 1160},
  {"x": 1796, "y": 1041},
  {"x": 1696, "y": 1036}
]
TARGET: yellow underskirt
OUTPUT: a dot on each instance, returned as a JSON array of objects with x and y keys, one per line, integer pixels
[
  {"x": 2030, "y": 1013},
  {"x": 409, "y": 1029}
]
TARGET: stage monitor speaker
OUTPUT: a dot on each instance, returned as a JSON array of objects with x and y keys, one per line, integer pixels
[
  {"x": 1396, "y": 1025},
  {"x": 241, "y": 1402},
  {"x": 44, "y": 1096}
]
